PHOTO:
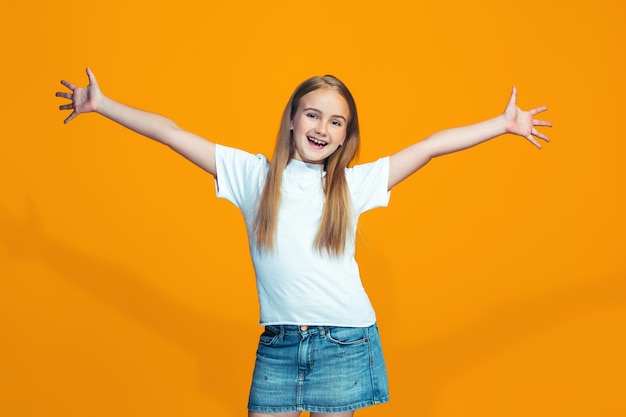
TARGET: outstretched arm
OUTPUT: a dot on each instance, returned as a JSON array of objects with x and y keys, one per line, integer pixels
[
  {"x": 90, "y": 99},
  {"x": 513, "y": 120}
]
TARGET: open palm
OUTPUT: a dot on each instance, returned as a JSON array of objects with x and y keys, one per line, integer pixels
[
  {"x": 522, "y": 123},
  {"x": 84, "y": 100}
]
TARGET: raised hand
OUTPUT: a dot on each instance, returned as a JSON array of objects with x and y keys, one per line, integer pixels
[
  {"x": 522, "y": 123},
  {"x": 84, "y": 100}
]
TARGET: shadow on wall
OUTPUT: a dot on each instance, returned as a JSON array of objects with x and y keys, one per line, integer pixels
[
  {"x": 121, "y": 289},
  {"x": 436, "y": 364}
]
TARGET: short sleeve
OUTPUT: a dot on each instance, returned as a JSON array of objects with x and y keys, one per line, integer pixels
[
  {"x": 369, "y": 185},
  {"x": 239, "y": 175}
]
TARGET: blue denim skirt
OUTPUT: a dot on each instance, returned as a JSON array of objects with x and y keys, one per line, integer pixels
[{"x": 319, "y": 369}]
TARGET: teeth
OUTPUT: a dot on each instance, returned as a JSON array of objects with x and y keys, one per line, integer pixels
[{"x": 316, "y": 141}]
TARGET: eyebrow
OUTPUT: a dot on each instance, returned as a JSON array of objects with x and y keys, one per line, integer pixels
[{"x": 319, "y": 111}]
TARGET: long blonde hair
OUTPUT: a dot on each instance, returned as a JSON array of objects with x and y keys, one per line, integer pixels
[{"x": 335, "y": 224}]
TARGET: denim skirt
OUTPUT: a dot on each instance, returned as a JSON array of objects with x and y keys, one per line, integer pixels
[{"x": 319, "y": 369}]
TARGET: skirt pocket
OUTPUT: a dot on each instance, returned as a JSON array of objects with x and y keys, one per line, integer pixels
[{"x": 347, "y": 336}]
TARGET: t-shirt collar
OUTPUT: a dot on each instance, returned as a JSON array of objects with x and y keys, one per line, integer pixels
[{"x": 297, "y": 166}]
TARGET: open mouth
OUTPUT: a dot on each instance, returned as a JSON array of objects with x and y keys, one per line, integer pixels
[{"x": 318, "y": 143}]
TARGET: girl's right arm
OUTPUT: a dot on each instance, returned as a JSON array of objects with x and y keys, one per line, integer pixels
[{"x": 90, "y": 99}]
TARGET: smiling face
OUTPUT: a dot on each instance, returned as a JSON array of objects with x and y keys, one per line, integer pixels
[{"x": 319, "y": 125}]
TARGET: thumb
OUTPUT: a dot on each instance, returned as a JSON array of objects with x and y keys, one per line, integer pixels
[
  {"x": 513, "y": 98},
  {"x": 91, "y": 76}
]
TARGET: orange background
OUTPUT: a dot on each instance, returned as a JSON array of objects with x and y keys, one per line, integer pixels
[{"x": 498, "y": 273}]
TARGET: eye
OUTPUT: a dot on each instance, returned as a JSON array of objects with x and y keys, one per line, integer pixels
[
  {"x": 337, "y": 123},
  {"x": 311, "y": 115}
]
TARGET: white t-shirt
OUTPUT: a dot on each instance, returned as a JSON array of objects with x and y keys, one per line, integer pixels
[{"x": 296, "y": 283}]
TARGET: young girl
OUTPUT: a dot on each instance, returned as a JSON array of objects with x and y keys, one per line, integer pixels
[{"x": 320, "y": 350}]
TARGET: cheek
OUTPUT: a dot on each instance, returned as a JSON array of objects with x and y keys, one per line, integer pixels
[
  {"x": 298, "y": 125},
  {"x": 343, "y": 138}
]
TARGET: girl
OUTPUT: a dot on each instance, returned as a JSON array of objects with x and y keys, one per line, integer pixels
[{"x": 320, "y": 350}]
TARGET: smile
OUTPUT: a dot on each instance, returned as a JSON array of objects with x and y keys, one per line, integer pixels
[{"x": 316, "y": 141}]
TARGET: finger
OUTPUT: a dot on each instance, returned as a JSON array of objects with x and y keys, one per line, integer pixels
[
  {"x": 68, "y": 85},
  {"x": 533, "y": 141},
  {"x": 541, "y": 123},
  {"x": 67, "y": 107},
  {"x": 538, "y": 110},
  {"x": 64, "y": 95},
  {"x": 70, "y": 117},
  {"x": 540, "y": 135}
]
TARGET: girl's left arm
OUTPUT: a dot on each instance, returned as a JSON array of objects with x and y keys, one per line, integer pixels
[{"x": 515, "y": 121}]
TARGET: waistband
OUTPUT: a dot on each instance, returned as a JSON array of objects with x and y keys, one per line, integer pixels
[
  {"x": 291, "y": 329},
  {"x": 295, "y": 329}
]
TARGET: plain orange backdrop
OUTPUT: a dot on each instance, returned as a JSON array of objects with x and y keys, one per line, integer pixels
[{"x": 498, "y": 273}]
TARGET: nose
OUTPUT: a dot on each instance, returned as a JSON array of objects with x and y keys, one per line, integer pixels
[{"x": 320, "y": 128}]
